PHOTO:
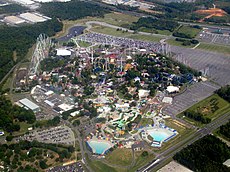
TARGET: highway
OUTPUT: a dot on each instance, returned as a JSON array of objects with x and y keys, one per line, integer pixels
[{"x": 169, "y": 153}]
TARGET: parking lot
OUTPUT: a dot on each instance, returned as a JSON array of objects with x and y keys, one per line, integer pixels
[
  {"x": 214, "y": 65},
  {"x": 191, "y": 96},
  {"x": 214, "y": 37},
  {"x": 120, "y": 41},
  {"x": 58, "y": 135}
]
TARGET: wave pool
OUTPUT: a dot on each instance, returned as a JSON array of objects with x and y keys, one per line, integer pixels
[
  {"x": 99, "y": 147},
  {"x": 160, "y": 134}
]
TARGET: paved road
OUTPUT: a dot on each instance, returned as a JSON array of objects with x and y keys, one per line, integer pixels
[
  {"x": 89, "y": 26},
  {"x": 169, "y": 153},
  {"x": 72, "y": 32}
]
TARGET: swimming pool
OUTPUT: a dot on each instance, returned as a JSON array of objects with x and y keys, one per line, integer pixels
[
  {"x": 99, "y": 147},
  {"x": 160, "y": 134}
]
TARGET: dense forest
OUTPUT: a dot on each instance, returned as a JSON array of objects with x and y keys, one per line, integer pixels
[
  {"x": 32, "y": 156},
  {"x": 72, "y": 10},
  {"x": 206, "y": 154},
  {"x": 225, "y": 130},
  {"x": 154, "y": 24},
  {"x": 20, "y": 39},
  {"x": 185, "y": 11},
  {"x": 10, "y": 114},
  {"x": 12, "y": 8},
  {"x": 224, "y": 92},
  {"x": 197, "y": 117}
]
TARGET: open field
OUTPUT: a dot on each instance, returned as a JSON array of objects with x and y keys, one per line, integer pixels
[
  {"x": 178, "y": 43},
  {"x": 109, "y": 31},
  {"x": 189, "y": 30},
  {"x": 140, "y": 161},
  {"x": 114, "y": 32},
  {"x": 211, "y": 107},
  {"x": 115, "y": 18},
  {"x": 120, "y": 157},
  {"x": 215, "y": 48},
  {"x": 146, "y": 121},
  {"x": 98, "y": 166}
]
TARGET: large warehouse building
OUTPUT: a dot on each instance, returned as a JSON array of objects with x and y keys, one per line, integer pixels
[
  {"x": 31, "y": 17},
  {"x": 13, "y": 20},
  {"x": 24, "y": 2},
  {"x": 27, "y": 104}
]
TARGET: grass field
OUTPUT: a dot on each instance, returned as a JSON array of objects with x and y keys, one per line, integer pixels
[
  {"x": 121, "y": 157},
  {"x": 188, "y": 30},
  {"x": 215, "y": 48},
  {"x": 115, "y": 18},
  {"x": 98, "y": 166},
  {"x": 211, "y": 107},
  {"x": 114, "y": 32},
  {"x": 140, "y": 161},
  {"x": 146, "y": 121},
  {"x": 178, "y": 43},
  {"x": 109, "y": 31}
]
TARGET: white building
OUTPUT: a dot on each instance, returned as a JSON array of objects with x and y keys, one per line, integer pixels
[
  {"x": 32, "y": 17},
  {"x": 13, "y": 20},
  {"x": 143, "y": 93},
  {"x": 24, "y": 2},
  {"x": 63, "y": 52},
  {"x": 172, "y": 89},
  {"x": 27, "y": 104},
  {"x": 65, "y": 107}
]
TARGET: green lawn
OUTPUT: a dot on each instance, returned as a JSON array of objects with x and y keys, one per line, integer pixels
[
  {"x": 115, "y": 18},
  {"x": 188, "y": 30},
  {"x": 119, "y": 19},
  {"x": 109, "y": 31},
  {"x": 215, "y": 48},
  {"x": 121, "y": 157},
  {"x": 208, "y": 109},
  {"x": 98, "y": 166},
  {"x": 146, "y": 121},
  {"x": 24, "y": 128},
  {"x": 83, "y": 44},
  {"x": 140, "y": 161},
  {"x": 114, "y": 32},
  {"x": 178, "y": 43}
]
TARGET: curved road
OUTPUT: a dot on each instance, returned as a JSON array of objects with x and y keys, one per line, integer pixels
[{"x": 89, "y": 26}]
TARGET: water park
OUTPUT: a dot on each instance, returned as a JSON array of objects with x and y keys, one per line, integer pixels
[
  {"x": 156, "y": 135},
  {"x": 99, "y": 147}
]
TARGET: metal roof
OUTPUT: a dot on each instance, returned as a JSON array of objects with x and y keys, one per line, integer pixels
[{"x": 26, "y": 102}]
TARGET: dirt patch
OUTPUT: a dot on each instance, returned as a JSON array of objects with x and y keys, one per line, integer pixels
[{"x": 212, "y": 12}]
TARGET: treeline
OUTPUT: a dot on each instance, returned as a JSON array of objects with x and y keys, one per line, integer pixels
[
  {"x": 154, "y": 24},
  {"x": 20, "y": 39},
  {"x": 16, "y": 158},
  {"x": 206, "y": 154},
  {"x": 12, "y": 8},
  {"x": 72, "y": 10},
  {"x": 10, "y": 114},
  {"x": 224, "y": 92},
  {"x": 197, "y": 117},
  {"x": 187, "y": 42},
  {"x": 225, "y": 130}
]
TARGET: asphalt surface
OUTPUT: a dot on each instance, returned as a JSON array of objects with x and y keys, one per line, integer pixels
[
  {"x": 169, "y": 153},
  {"x": 73, "y": 32}
]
